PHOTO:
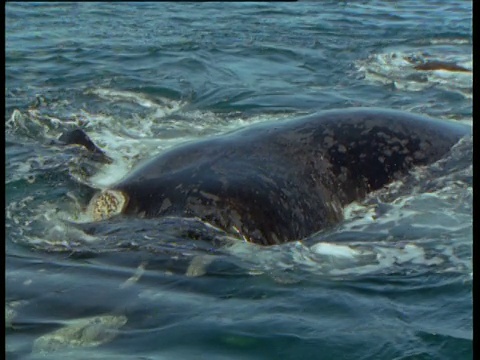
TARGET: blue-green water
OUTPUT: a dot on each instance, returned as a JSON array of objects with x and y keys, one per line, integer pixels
[{"x": 393, "y": 281}]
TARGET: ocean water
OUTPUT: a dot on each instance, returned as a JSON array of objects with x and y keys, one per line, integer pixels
[{"x": 392, "y": 281}]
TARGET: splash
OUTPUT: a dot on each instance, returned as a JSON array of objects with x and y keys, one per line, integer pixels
[
  {"x": 413, "y": 71},
  {"x": 422, "y": 223}
]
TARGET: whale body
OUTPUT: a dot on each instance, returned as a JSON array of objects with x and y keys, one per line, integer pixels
[{"x": 281, "y": 181}]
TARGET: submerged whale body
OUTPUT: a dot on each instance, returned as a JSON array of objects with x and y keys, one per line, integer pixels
[{"x": 281, "y": 181}]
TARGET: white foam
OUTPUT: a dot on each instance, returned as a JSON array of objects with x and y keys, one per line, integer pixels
[
  {"x": 131, "y": 141},
  {"x": 335, "y": 250},
  {"x": 396, "y": 68},
  {"x": 163, "y": 105}
]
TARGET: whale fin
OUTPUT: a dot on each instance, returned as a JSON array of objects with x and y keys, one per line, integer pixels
[{"x": 79, "y": 137}]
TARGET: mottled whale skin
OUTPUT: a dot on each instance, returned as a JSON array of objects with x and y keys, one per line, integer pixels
[{"x": 281, "y": 181}]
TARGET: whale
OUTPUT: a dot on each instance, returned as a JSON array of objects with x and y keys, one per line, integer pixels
[{"x": 280, "y": 181}]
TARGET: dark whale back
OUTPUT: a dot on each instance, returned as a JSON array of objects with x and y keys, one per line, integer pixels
[{"x": 276, "y": 182}]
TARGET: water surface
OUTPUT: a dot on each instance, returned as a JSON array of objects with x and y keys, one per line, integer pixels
[{"x": 393, "y": 281}]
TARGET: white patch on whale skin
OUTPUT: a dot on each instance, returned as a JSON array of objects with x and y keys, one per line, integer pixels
[
  {"x": 198, "y": 265},
  {"x": 11, "y": 312},
  {"x": 139, "y": 271},
  {"x": 87, "y": 332}
]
